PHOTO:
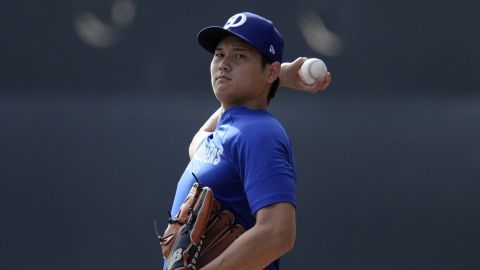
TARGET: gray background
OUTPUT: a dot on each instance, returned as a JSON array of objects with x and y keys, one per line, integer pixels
[{"x": 93, "y": 139}]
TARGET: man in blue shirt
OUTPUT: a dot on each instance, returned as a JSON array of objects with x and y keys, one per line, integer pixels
[{"x": 242, "y": 152}]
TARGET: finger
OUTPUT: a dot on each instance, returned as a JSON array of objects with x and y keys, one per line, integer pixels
[
  {"x": 327, "y": 80},
  {"x": 321, "y": 84},
  {"x": 299, "y": 61},
  {"x": 313, "y": 88}
]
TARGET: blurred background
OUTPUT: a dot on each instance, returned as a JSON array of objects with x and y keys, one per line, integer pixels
[{"x": 99, "y": 100}]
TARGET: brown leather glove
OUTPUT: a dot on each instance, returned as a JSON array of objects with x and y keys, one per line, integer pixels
[{"x": 199, "y": 232}]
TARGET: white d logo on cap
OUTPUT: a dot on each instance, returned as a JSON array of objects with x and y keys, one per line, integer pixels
[{"x": 235, "y": 21}]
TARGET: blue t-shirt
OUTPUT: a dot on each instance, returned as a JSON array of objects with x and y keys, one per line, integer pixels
[{"x": 247, "y": 162}]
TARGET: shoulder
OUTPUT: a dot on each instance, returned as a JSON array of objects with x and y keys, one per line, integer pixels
[
  {"x": 255, "y": 131},
  {"x": 256, "y": 123}
]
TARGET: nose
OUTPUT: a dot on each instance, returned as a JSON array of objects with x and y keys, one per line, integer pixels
[{"x": 224, "y": 64}]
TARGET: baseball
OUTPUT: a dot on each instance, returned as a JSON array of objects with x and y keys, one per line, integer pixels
[{"x": 312, "y": 70}]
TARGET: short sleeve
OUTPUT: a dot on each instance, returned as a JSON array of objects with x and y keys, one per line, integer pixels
[{"x": 267, "y": 167}]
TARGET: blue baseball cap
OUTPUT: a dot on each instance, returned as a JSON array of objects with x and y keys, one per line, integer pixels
[{"x": 251, "y": 28}]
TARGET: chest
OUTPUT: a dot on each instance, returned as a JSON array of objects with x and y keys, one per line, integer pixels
[{"x": 213, "y": 166}]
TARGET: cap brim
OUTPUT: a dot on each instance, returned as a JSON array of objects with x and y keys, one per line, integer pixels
[{"x": 210, "y": 37}]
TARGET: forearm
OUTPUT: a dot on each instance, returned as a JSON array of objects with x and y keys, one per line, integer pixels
[
  {"x": 270, "y": 238},
  {"x": 207, "y": 128},
  {"x": 255, "y": 249}
]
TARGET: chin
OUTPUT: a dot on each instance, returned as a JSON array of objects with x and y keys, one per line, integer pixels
[
  {"x": 222, "y": 97},
  {"x": 221, "y": 90}
]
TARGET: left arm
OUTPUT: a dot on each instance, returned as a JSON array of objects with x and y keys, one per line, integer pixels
[{"x": 272, "y": 236}]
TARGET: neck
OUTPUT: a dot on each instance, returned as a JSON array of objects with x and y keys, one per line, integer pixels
[{"x": 252, "y": 104}]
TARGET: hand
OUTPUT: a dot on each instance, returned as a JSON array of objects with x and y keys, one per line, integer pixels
[{"x": 290, "y": 77}]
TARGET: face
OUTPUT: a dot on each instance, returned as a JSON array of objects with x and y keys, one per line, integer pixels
[{"x": 237, "y": 75}]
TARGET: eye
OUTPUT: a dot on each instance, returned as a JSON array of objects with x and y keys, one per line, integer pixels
[
  {"x": 239, "y": 55},
  {"x": 218, "y": 54}
]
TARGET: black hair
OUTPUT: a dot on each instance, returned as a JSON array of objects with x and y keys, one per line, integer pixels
[{"x": 275, "y": 84}]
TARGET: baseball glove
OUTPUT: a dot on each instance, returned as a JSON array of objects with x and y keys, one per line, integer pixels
[{"x": 199, "y": 232}]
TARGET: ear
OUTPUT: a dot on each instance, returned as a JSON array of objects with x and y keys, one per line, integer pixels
[{"x": 273, "y": 71}]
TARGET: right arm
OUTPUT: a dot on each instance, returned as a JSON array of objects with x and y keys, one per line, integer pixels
[
  {"x": 204, "y": 131},
  {"x": 290, "y": 77}
]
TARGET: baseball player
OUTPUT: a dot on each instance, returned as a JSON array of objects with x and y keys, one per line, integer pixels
[{"x": 242, "y": 152}]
